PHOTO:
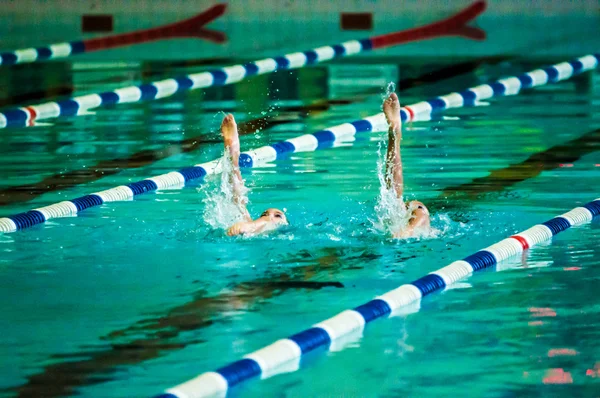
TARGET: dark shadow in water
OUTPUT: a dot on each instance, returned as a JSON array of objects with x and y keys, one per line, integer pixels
[
  {"x": 498, "y": 180},
  {"x": 155, "y": 337},
  {"x": 33, "y": 96}
]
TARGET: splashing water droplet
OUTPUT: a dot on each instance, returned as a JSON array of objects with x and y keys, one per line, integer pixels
[
  {"x": 220, "y": 211},
  {"x": 392, "y": 215},
  {"x": 391, "y": 87}
]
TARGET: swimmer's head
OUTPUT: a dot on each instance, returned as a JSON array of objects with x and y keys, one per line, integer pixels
[
  {"x": 275, "y": 216},
  {"x": 419, "y": 215}
]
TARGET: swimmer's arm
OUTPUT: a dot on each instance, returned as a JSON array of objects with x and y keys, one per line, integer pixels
[{"x": 249, "y": 227}]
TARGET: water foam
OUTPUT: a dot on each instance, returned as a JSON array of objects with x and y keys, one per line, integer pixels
[
  {"x": 220, "y": 209},
  {"x": 390, "y": 211}
]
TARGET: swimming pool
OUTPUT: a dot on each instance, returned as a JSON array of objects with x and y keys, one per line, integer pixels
[{"x": 134, "y": 297}]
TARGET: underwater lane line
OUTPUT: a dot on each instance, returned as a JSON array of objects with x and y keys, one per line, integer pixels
[
  {"x": 550, "y": 159},
  {"x": 188, "y": 28}
]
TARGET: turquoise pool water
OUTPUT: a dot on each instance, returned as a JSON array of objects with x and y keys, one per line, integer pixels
[{"x": 134, "y": 297}]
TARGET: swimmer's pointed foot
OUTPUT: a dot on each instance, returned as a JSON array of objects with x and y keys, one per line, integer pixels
[
  {"x": 229, "y": 132},
  {"x": 391, "y": 109}
]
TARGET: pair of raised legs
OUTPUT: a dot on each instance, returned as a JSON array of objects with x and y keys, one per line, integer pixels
[{"x": 272, "y": 218}]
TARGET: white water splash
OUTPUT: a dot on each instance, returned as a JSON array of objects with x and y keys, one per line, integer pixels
[
  {"x": 391, "y": 88},
  {"x": 392, "y": 215},
  {"x": 443, "y": 226},
  {"x": 220, "y": 210}
]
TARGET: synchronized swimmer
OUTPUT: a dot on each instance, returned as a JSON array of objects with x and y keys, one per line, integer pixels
[
  {"x": 272, "y": 219},
  {"x": 419, "y": 221}
]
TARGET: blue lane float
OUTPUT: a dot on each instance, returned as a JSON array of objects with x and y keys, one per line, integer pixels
[
  {"x": 421, "y": 111},
  {"x": 284, "y": 355}
]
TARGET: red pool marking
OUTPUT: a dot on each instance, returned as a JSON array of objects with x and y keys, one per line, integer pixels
[
  {"x": 557, "y": 352},
  {"x": 591, "y": 373},
  {"x": 192, "y": 27},
  {"x": 565, "y": 165},
  {"x": 571, "y": 268},
  {"x": 455, "y": 25},
  {"x": 521, "y": 240},
  {"x": 557, "y": 376},
  {"x": 594, "y": 372},
  {"x": 542, "y": 312},
  {"x": 32, "y": 115},
  {"x": 411, "y": 114}
]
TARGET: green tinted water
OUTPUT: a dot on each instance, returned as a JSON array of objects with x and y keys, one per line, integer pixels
[{"x": 134, "y": 297}]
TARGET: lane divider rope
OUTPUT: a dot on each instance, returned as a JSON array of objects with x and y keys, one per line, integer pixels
[
  {"x": 420, "y": 111},
  {"x": 284, "y": 355},
  {"x": 80, "y": 105}
]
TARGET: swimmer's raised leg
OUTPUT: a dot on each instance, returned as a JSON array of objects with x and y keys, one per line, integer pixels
[
  {"x": 271, "y": 219},
  {"x": 231, "y": 140},
  {"x": 393, "y": 160},
  {"x": 420, "y": 220}
]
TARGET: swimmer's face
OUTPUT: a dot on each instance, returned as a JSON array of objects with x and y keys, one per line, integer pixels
[
  {"x": 420, "y": 214},
  {"x": 275, "y": 216}
]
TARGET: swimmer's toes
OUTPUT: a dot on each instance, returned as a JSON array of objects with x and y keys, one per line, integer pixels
[
  {"x": 391, "y": 109},
  {"x": 228, "y": 126},
  {"x": 228, "y": 120}
]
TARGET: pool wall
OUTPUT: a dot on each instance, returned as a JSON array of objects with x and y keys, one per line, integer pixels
[{"x": 262, "y": 28}]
